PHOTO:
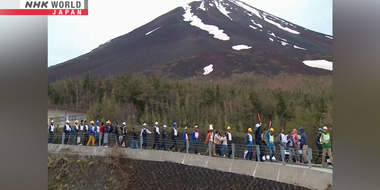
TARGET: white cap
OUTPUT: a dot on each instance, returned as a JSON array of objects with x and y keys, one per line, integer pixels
[
  {"x": 211, "y": 127},
  {"x": 124, "y": 123},
  {"x": 257, "y": 125},
  {"x": 144, "y": 124},
  {"x": 67, "y": 121},
  {"x": 156, "y": 123},
  {"x": 164, "y": 126},
  {"x": 324, "y": 128}
]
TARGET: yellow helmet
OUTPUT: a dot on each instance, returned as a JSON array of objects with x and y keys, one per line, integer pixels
[
  {"x": 51, "y": 121},
  {"x": 196, "y": 126},
  {"x": 185, "y": 128},
  {"x": 229, "y": 128},
  {"x": 92, "y": 122},
  {"x": 250, "y": 130},
  {"x": 271, "y": 129},
  {"x": 76, "y": 121}
]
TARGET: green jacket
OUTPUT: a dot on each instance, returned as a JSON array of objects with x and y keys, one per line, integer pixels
[{"x": 326, "y": 140}]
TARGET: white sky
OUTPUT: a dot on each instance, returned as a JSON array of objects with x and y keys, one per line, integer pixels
[{"x": 72, "y": 36}]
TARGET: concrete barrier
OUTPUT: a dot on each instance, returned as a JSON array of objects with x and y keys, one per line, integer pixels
[{"x": 312, "y": 178}]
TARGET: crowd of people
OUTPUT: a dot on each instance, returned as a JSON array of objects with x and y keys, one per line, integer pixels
[{"x": 220, "y": 142}]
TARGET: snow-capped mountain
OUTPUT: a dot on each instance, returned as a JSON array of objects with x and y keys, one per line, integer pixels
[{"x": 209, "y": 38}]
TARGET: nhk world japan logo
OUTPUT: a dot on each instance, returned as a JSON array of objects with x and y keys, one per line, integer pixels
[{"x": 48, "y": 7}]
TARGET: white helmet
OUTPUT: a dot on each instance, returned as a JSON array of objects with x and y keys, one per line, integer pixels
[
  {"x": 324, "y": 128},
  {"x": 164, "y": 126},
  {"x": 257, "y": 125},
  {"x": 156, "y": 123},
  {"x": 124, "y": 123},
  {"x": 144, "y": 124},
  {"x": 211, "y": 127},
  {"x": 67, "y": 121}
]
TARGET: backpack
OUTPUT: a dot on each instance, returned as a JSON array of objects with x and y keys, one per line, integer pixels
[
  {"x": 144, "y": 133},
  {"x": 110, "y": 129}
]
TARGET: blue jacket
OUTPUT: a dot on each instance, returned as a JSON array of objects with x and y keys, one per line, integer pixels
[
  {"x": 303, "y": 137},
  {"x": 91, "y": 131},
  {"x": 163, "y": 134},
  {"x": 96, "y": 129},
  {"x": 184, "y": 136},
  {"x": 270, "y": 144},
  {"x": 193, "y": 137}
]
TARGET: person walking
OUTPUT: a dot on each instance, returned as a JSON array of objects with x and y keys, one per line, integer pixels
[
  {"x": 91, "y": 133},
  {"x": 224, "y": 145},
  {"x": 75, "y": 132},
  {"x": 51, "y": 131},
  {"x": 217, "y": 143},
  {"x": 101, "y": 133},
  {"x": 97, "y": 130},
  {"x": 85, "y": 132},
  {"x": 319, "y": 145},
  {"x": 185, "y": 139},
  {"x": 326, "y": 145},
  {"x": 144, "y": 132},
  {"x": 304, "y": 146},
  {"x": 156, "y": 133},
  {"x": 229, "y": 140},
  {"x": 270, "y": 136},
  {"x": 249, "y": 142},
  {"x": 195, "y": 137},
  {"x": 296, "y": 145},
  {"x": 134, "y": 139},
  {"x": 163, "y": 138},
  {"x": 291, "y": 143},
  {"x": 81, "y": 133},
  {"x": 259, "y": 142},
  {"x": 174, "y": 137},
  {"x": 106, "y": 133},
  {"x": 124, "y": 132},
  {"x": 210, "y": 138},
  {"x": 67, "y": 130}
]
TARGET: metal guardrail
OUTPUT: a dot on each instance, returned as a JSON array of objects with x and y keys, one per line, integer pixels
[{"x": 196, "y": 147}]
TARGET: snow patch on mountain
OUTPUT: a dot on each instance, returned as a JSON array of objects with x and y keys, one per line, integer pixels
[
  {"x": 280, "y": 26},
  {"x": 152, "y": 31},
  {"x": 271, "y": 39},
  {"x": 321, "y": 64},
  {"x": 240, "y": 47},
  {"x": 329, "y": 37},
  {"x": 197, "y": 22},
  {"x": 208, "y": 69},
  {"x": 253, "y": 27},
  {"x": 259, "y": 25},
  {"x": 222, "y": 9},
  {"x": 284, "y": 43},
  {"x": 202, "y": 6},
  {"x": 299, "y": 47},
  {"x": 248, "y": 8}
]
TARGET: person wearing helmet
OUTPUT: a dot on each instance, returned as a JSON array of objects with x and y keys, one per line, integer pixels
[
  {"x": 97, "y": 130},
  {"x": 174, "y": 137},
  {"x": 185, "y": 139},
  {"x": 124, "y": 131},
  {"x": 249, "y": 142},
  {"x": 270, "y": 136},
  {"x": 210, "y": 139},
  {"x": 195, "y": 137},
  {"x": 319, "y": 145},
  {"x": 229, "y": 141},
  {"x": 51, "y": 131},
  {"x": 74, "y": 131},
  {"x": 91, "y": 132},
  {"x": 144, "y": 132},
  {"x": 258, "y": 140},
  {"x": 81, "y": 133},
  {"x": 156, "y": 133},
  {"x": 163, "y": 139},
  {"x": 67, "y": 130},
  {"x": 326, "y": 145}
]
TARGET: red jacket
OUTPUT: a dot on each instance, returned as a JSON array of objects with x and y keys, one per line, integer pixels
[{"x": 101, "y": 129}]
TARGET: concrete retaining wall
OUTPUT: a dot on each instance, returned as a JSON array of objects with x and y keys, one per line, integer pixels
[{"x": 291, "y": 174}]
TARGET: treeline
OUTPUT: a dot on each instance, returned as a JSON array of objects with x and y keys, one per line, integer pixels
[{"x": 290, "y": 101}]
